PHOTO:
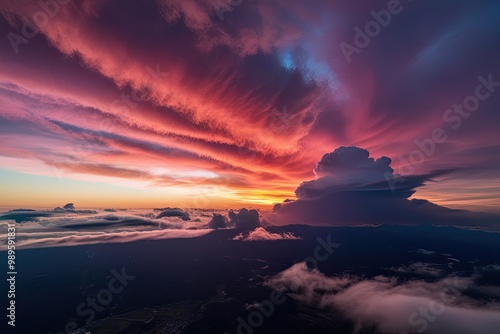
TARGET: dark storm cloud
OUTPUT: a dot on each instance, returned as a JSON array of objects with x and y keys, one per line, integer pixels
[
  {"x": 114, "y": 222},
  {"x": 245, "y": 219},
  {"x": 27, "y": 215},
  {"x": 21, "y": 216},
  {"x": 353, "y": 188},
  {"x": 174, "y": 213},
  {"x": 217, "y": 221},
  {"x": 70, "y": 208}
]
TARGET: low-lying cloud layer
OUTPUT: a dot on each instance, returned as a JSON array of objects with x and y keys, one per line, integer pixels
[
  {"x": 69, "y": 226},
  {"x": 393, "y": 306}
]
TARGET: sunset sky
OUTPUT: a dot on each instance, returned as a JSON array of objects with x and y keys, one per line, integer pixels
[{"x": 223, "y": 104}]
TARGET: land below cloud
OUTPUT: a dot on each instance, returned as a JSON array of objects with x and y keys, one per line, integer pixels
[{"x": 213, "y": 280}]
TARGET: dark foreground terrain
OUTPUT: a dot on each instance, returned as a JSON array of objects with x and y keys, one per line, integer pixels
[{"x": 209, "y": 284}]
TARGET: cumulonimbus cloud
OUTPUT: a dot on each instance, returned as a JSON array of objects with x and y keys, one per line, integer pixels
[{"x": 352, "y": 188}]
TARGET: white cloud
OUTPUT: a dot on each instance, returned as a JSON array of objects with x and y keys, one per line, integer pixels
[
  {"x": 262, "y": 234},
  {"x": 109, "y": 237},
  {"x": 414, "y": 306},
  {"x": 425, "y": 251},
  {"x": 420, "y": 268},
  {"x": 69, "y": 228}
]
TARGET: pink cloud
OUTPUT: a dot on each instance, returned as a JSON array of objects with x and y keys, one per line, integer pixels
[{"x": 261, "y": 234}]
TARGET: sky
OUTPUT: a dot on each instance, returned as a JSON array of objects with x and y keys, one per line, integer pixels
[{"x": 224, "y": 104}]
